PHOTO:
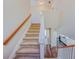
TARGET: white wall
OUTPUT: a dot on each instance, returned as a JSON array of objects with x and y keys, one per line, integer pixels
[
  {"x": 68, "y": 26},
  {"x": 15, "y": 12},
  {"x": 62, "y": 18},
  {"x": 35, "y": 12},
  {"x": 35, "y": 15}
]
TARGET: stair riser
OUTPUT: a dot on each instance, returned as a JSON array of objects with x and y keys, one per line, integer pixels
[
  {"x": 33, "y": 31},
  {"x": 34, "y": 28},
  {"x": 29, "y": 43},
  {"x": 38, "y": 25},
  {"x": 32, "y": 35},
  {"x": 28, "y": 46},
  {"x": 35, "y": 25},
  {"x": 31, "y": 38},
  {"x": 28, "y": 55}
]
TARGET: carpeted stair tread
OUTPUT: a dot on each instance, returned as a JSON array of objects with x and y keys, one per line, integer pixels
[
  {"x": 31, "y": 37},
  {"x": 29, "y": 42},
  {"x": 27, "y": 58},
  {"x": 28, "y": 51}
]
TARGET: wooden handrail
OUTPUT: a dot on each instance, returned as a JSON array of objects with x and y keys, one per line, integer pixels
[
  {"x": 64, "y": 46},
  {"x": 67, "y": 46},
  {"x": 8, "y": 39}
]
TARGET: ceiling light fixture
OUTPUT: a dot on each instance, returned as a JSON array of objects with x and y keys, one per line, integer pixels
[{"x": 41, "y": 2}]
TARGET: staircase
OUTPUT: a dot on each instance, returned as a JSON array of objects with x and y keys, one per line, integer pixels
[{"x": 29, "y": 48}]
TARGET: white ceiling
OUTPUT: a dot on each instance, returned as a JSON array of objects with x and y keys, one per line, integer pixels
[{"x": 43, "y": 4}]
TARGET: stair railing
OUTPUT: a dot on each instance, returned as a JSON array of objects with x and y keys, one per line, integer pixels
[
  {"x": 8, "y": 39},
  {"x": 65, "y": 51}
]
